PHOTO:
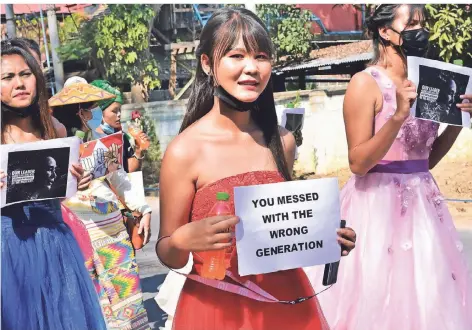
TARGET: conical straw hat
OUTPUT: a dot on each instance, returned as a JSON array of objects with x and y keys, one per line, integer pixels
[{"x": 79, "y": 93}]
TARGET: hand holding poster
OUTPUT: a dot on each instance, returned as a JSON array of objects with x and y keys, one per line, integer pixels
[
  {"x": 287, "y": 225},
  {"x": 102, "y": 156},
  {"x": 439, "y": 86},
  {"x": 39, "y": 170}
]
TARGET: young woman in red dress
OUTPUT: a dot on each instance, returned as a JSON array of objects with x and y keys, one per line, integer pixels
[{"x": 230, "y": 137}]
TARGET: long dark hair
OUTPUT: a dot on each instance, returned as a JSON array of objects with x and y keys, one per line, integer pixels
[
  {"x": 41, "y": 119},
  {"x": 27, "y": 44},
  {"x": 384, "y": 15},
  {"x": 222, "y": 33}
]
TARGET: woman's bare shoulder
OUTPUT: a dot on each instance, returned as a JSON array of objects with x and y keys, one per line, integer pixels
[{"x": 184, "y": 147}]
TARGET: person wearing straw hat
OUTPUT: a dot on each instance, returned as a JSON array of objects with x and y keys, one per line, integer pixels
[
  {"x": 111, "y": 261},
  {"x": 73, "y": 105},
  {"x": 111, "y": 123}
]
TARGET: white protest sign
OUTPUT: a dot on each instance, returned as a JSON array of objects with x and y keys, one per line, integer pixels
[
  {"x": 39, "y": 170},
  {"x": 439, "y": 86},
  {"x": 287, "y": 225}
]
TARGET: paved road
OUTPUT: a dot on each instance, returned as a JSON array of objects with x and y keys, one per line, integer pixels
[{"x": 152, "y": 273}]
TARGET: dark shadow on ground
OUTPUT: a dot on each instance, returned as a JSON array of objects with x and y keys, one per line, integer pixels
[{"x": 149, "y": 285}]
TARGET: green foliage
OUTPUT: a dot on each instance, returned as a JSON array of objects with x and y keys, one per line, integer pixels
[
  {"x": 73, "y": 47},
  {"x": 295, "y": 103},
  {"x": 28, "y": 27},
  {"x": 74, "y": 50},
  {"x": 152, "y": 162},
  {"x": 289, "y": 27},
  {"x": 119, "y": 42},
  {"x": 69, "y": 28},
  {"x": 451, "y": 30}
]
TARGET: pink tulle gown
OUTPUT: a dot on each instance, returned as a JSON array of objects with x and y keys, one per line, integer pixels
[{"x": 408, "y": 270}]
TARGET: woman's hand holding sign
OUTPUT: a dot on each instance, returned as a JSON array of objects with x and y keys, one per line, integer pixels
[
  {"x": 406, "y": 96},
  {"x": 83, "y": 181},
  {"x": 347, "y": 240},
  {"x": 204, "y": 235},
  {"x": 466, "y": 104},
  {"x": 2, "y": 176}
]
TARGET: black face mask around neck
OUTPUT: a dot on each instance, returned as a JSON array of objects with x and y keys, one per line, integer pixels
[
  {"x": 233, "y": 102},
  {"x": 24, "y": 112},
  {"x": 415, "y": 42}
]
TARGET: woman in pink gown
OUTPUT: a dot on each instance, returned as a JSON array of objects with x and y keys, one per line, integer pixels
[{"x": 408, "y": 270}]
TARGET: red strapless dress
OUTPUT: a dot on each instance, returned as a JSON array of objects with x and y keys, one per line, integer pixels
[{"x": 203, "y": 307}]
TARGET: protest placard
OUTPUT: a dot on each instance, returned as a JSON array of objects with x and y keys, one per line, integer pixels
[
  {"x": 439, "y": 87},
  {"x": 292, "y": 119},
  {"x": 287, "y": 225},
  {"x": 39, "y": 170},
  {"x": 103, "y": 155}
]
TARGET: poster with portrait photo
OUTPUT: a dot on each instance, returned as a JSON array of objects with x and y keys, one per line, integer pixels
[
  {"x": 439, "y": 86},
  {"x": 292, "y": 119},
  {"x": 39, "y": 170}
]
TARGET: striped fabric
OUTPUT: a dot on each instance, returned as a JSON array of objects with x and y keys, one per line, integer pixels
[{"x": 113, "y": 266}]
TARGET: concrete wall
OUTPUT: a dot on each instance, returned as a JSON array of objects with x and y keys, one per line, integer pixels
[{"x": 324, "y": 147}]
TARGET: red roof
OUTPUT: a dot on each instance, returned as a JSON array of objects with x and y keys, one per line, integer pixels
[{"x": 34, "y": 8}]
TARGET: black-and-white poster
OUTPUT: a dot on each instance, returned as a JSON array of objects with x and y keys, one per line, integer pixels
[
  {"x": 292, "y": 119},
  {"x": 439, "y": 87},
  {"x": 39, "y": 170}
]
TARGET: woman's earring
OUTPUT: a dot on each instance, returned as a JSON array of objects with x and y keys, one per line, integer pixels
[{"x": 209, "y": 78}]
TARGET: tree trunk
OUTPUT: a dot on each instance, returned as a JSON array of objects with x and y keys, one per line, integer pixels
[
  {"x": 138, "y": 93},
  {"x": 173, "y": 75}
]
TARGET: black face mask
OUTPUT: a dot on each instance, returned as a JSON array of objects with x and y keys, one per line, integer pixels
[
  {"x": 22, "y": 112},
  {"x": 415, "y": 42},
  {"x": 233, "y": 102}
]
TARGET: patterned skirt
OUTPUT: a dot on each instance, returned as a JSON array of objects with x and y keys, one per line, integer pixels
[{"x": 111, "y": 261}]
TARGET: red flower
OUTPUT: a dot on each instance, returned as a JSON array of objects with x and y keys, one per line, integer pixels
[{"x": 135, "y": 114}]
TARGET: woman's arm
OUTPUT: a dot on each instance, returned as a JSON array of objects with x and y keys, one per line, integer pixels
[
  {"x": 443, "y": 144},
  {"x": 135, "y": 162},
  {"x": 290, "y": 147},
  {"x": 133, "y": 156},
  {"x": 59, "y": 127},
  {"x": 176, "y": 193},
  {"x": 363, "y": 98},
  {"x": 136, "y": 158},
  {"x": 123, "y": 186}
]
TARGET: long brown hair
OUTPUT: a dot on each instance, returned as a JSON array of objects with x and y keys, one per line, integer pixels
[
  {"x": 221, "y": 33},
  {"x": 41, "y": 119}
]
